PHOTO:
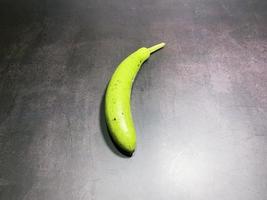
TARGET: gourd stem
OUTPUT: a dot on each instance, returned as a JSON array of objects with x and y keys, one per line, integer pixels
[{"x": 156, "y": 47}]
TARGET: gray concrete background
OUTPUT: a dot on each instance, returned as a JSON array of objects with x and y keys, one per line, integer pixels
[{"x": 199, "y": 105}]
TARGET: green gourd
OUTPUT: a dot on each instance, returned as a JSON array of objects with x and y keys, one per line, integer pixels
[{"x": 118, "y": 96}]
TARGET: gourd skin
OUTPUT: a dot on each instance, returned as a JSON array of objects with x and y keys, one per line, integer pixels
[{"x": 118, "y": 99}]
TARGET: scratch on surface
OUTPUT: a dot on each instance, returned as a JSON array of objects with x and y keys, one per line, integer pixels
[
  {"x": 69, "y": 130},
  {"x": 227, "y": 10},
  {"x": 29, "y": 193},
  {"x": 88, "y": 191},
  {"x": 4, "y": 182}
]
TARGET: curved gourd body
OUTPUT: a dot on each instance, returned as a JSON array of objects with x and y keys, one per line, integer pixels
[{"x": 118, "y": 99}]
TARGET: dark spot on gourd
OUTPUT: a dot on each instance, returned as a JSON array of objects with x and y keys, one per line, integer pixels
[
  {"x": 122, "y": 113},
  {"x": 114, "y": 119}
]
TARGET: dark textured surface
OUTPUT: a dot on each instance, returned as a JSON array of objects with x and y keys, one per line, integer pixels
[{"x": 200, "y": 104}]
